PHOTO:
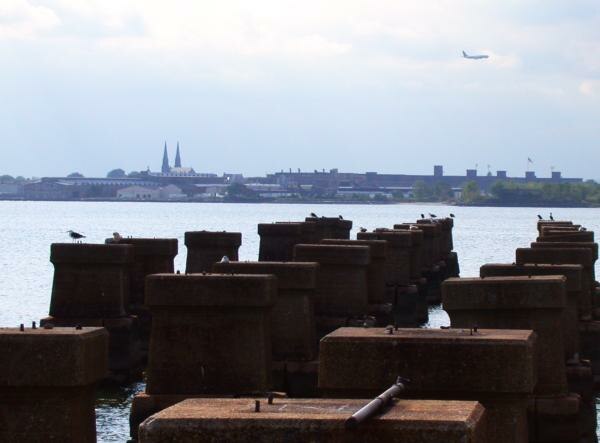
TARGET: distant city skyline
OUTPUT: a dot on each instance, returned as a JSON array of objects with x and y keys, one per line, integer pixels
[{"x": 258, "y": 87}]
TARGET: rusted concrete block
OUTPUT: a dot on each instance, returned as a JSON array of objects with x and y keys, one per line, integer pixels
[
  {"x": 559, "y": 236},
  {"x": 210, "y": 333},
  {"x": 432, "y": 241},
  {"x": 397, "y": 270},
  {"x": 573, "y": 287},
  {"x": 555, "y": 419},
  {"x": 322, "y": 420},
  {"x": 293, "y": 333},
  {"x": 416, "y": 249},
  {"x": 376, "y": 269},
  {"x": 554, "y": 223},
  {"x": 90, "y": 280},
  {"x": 47, "y": 383},
  {"x": 535, "y": 303},
  {"x": 125, "y": 359},
  {"x": 341, "y": 280},
  {"x": 558, "y": 256},
  {"x": 151, "y": 256},
  {"x": 495, "y": 367},
  {"x": 204, "y": 248},
  {"x": 331, "y": 227},
  {"x": 277, "y": 240},
  {"x": 590, "y": 245},
  {"x": 298, "y": 379}
]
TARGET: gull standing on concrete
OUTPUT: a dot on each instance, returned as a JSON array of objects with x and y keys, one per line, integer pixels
[
  {"x": 75, "y": 235},
  {"x": 225, "y": 259},
  {"x": 117, "y": 237}
]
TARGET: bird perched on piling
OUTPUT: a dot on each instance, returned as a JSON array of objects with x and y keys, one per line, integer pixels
[
  {"x": 117, "y": 237},
  {"x": 451, "y": 215},
  {"x": 540, "y": 217},
  {"x": 312, "y": 214},
  {"x": 75, "y": 235},
  {"x": 422, "y": 215},
  {"x": 341, "y": 218},
  {"x": 225, "y": 259},
  {"x": 432, "y": 215},
  {"x": 551, "y": 217},
  {"x": 363, "y": 229}
]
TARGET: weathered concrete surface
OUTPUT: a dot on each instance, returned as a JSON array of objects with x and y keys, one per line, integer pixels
[
  {"x": 432, "y": 241},
  {"x": 204, "y": 248},
  {"x": 578, "y": 256},
  {"x": 591, "y": 245},
  {"x": 322, "y": 420},
  {"x": 342, "y": 278},
  {"x": 277, "y": 240},
  {"x": 376, "y": 268},
  {"x": 496, "y": 367},
  {"x": 90, "y": 280},
  {"x": 293, "y": 331},
  {"x": 573, "y": 287},
  {"x": 416, "y": 249},
  {"x": 397, "y": 270},
  {"x": 561, "y": 236},
  {"x": 125, "y": 359},
  {"x": 151, "y": 256},
  {"x": 535, "y": 303},
  {"x": 47, "y": 383},
  {"x": 210, "y": 333},
  {"x": 330, "y": 227}
]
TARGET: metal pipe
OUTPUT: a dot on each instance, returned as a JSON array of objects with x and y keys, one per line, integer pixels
[{"x": 376, "y": 405}]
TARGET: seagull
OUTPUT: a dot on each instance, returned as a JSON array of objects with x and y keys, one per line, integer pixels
[
  {"x": 341, "y": 218},
  {"x": 422, "y": 215},
  {"x": 75, "y": 235},
  {"x": 551, "y": 218},
  {"x": 117, "y": 237},
  {"x": 312, "y": 214},
  {"x": 225, "y": 259},
  {"x": 432, "y": 215},
  {"x": 451, "y": 215},
  {"x": 540, "y": 217},
  {"x": 363, "y": 229},
  {"x": 582, "y": 229}
]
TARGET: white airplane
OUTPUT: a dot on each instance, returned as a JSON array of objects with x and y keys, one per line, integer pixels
[{"x": 474, "y": 57}]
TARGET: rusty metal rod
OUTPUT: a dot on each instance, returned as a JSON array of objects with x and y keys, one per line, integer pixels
[{"x": 372, "y": 408}]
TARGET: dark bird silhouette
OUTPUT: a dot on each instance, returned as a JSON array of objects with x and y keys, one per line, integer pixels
[
  {"x": 422, "y": 215},
  {"x": 582, "y": 229},
  {"x": 451, "y": 215},
  {"x": 363, "y": 229},
  {"x": 551, "y": 218},
  {"x": 432, "y": 215},
  {"x": 75, "y": 235},
  {"x": 341, "y": 218},
  {"x": 540, "y": 217},
  {"x": 312, "y": 214}
]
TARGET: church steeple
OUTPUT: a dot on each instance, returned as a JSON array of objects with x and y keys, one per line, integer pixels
[
  {"x": 165, "y": 164},
  {"x": 177, "y": 158}
]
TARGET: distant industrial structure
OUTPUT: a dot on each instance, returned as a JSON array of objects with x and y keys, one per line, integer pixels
[{"x": 184, "y": 183}]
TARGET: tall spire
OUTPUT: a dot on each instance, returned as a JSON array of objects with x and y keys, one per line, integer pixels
[
  {"x": 165, "y": 165},
  {"x": 177, "y": 158}
]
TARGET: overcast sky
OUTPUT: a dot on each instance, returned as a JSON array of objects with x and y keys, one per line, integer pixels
[{"x": 264, "y": 85}]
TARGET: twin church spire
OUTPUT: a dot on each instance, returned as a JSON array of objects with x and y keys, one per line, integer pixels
[{"x": 166, "y": 168}]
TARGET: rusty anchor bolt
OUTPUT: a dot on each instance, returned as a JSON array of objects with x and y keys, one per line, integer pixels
[
  {"x": 270, "y": 398},
  {"x": 33, "y": 325},
  {"x": 178, "y": 272},
  {"x": 257, "y": 406},
  {"x": 78, "y": 327},
  {"x": 22, "y": 327},
  {"x": 389, "y": 330}
]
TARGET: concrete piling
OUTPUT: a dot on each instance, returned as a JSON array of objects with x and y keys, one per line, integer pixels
[
  {"x": 205, "y": 248},
  {"x": 47, "y": 382}
]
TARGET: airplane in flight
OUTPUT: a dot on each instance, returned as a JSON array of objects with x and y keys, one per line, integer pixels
[{"x": 474, "y": 57}]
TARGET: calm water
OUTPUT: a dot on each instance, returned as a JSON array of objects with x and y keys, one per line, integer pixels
[{"x": 27, "y": 229}]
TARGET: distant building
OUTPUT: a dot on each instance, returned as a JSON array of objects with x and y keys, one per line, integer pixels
[{"x": 169, "y": 192}]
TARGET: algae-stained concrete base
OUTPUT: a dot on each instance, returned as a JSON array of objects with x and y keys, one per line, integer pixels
[
  {"x": 322, "y": 420},
  {"x": 496, "y": 367}
]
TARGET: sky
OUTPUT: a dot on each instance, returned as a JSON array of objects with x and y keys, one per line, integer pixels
[{"x": 258, "y": 86}]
